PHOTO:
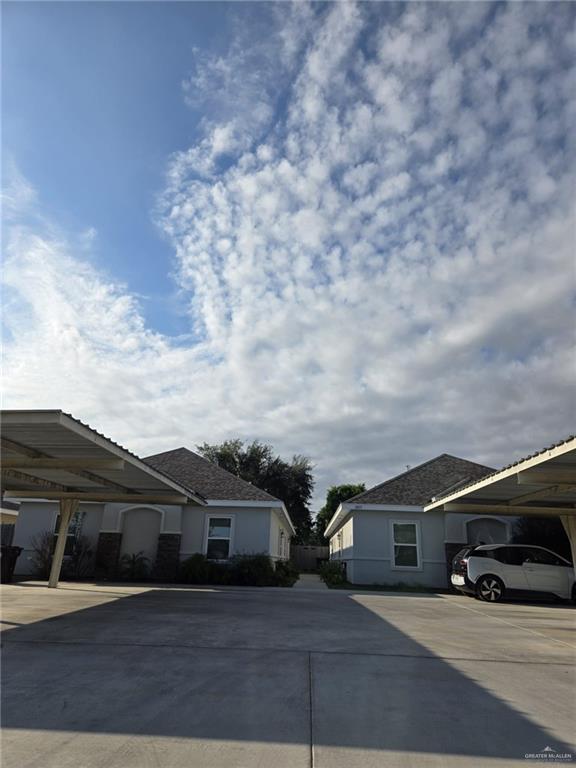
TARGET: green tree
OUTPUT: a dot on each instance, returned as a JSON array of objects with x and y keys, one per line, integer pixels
[
  {"x": 335, "y": 496},
  {"x": 256, "y": 462}
]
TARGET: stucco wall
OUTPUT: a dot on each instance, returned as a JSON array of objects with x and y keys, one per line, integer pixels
[
  {"x": 342, "y": 547},
  {"x": 141, "y": 527},
  {"x": 38, "y": 516},
  {"x": 456, "y": 528},
  {"x": 251, "y": 529},
  {"x": 367, "y": 549},
  {"x": 276, "y": 526},
  {"x": 170, "y": 516}
]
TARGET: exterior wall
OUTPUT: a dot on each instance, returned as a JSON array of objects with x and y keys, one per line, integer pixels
[
  {"x": 250, "y": 529},
  {"x": 342, "y": 547},
  {"x": 457, "y": 531},
  {"x": 113, "y": 517},
  {"x": 35, "y": 517},
  {"x": 276, "y": 527},
  {"x": 368, "y": 549},
  {"x": 157, "y": 530},
  {"x": 141, "y": 528}
]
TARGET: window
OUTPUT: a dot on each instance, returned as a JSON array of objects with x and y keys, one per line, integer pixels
[
  {"x": 406, "y": 545},
  {"x": 219, "y": 539},
  {"x": 74, "y": 531},
  {"x": 541, "y": 556},
  {"x": 510, "y": 555},
  {"x": 281, "y": 545}
]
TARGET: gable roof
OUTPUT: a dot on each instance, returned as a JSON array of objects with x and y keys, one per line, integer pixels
[
  {"x": 209, "y": 479},
  {"x": 418, "y": 485}
]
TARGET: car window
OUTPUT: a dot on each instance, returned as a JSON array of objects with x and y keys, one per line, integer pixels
[
  {"x": 462, "y": 554},
  {"x": 541, "y": 556},
  {"x": 509, "y": 555}
]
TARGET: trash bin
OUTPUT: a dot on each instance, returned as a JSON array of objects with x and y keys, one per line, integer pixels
[{"x": 8, "y": 557}]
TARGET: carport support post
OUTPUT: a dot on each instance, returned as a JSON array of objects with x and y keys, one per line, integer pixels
[
  {"x": 68, "y": 507},
  {"x": 569, "y": 523}
]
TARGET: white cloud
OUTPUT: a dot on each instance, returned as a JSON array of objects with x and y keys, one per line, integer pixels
[{"x": 382, "y": 271}]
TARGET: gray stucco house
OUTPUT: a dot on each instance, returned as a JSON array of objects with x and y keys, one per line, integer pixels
[
  {"x": 383, "y": 535},
  {"x": 237, "y": 518}
]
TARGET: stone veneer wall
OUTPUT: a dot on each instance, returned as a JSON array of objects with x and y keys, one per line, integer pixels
[
  {"x": 108, "y": 555},
  {"x": 167, "y": 557}
]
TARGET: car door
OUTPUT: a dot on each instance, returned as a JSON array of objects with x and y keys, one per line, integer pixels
[
  {"x": 510, "y": 567},
  {"x": 544, "y": 571}
]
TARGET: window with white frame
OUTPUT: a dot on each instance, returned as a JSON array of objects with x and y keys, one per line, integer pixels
[
  {"x": 405, "y": 544},
  {"x": 219, "y": 538},
  {"x": 73, "y": 533},
  {"x": 281, "y": 543}
]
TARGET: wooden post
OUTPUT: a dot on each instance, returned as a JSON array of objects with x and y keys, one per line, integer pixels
[{"x": 68, "y": 507}]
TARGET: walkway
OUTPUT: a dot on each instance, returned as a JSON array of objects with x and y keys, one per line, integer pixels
[{"x": 309, "y": 581}]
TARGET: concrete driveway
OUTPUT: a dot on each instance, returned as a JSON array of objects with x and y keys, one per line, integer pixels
[{"x": 127, "y": 677}]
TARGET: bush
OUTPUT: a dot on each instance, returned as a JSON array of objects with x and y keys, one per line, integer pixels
[
  {"x": 135, "y": 567},
  {"x": 252, "y": 571},
  {"x": 332, "y": 573},
  {"x": 286, "y": 573},
  {"x": 79, "y": 564},
  {"x": 42, "y": 550},
  {"x": 240, "y": 571},
  {"x": 198, "y": 570}
]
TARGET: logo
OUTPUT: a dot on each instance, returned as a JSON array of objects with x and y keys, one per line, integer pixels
[{"x": 548, "y": 753}]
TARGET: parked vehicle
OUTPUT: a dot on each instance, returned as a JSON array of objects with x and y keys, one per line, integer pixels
[{"x": 492, "y": 571}]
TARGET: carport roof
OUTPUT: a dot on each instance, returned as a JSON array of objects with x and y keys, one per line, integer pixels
[
  {"x": 48, "y": 454},
  {"x": 543, "y": 483}
]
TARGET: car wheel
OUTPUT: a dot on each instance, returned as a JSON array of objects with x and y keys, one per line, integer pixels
[
  {"x": 490, "y": 589},
  {"x": 574, "y": 593}
]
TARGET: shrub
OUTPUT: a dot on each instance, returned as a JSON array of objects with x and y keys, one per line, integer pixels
[
  {"x": 332, "y": 573},
  {"x": 78, "y": 565},
  {"x": 252, "y": 571},
  {"x": 241, "y": 571},
  {"x": 286, "y": 573},
  {"x": 198, "y": 570},
  {"x": 134, "y": 567},
  {"x": 42, "y": 550}
]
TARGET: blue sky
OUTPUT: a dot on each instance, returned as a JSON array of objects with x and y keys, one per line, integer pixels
[
  {"x": 344, "y": 229},
  {"x": 92, "y": 109}
]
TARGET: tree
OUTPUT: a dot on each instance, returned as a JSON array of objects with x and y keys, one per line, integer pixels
[
  {"x": 292, "y": 482},
  {"x": 544, "y": 532},
  {"x": 335, "y": 496}
]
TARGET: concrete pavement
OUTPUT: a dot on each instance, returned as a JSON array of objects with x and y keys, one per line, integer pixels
[{"x": 126, "y": 677}]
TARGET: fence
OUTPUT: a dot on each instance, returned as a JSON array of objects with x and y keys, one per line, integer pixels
[{"x": 308, "y": 557}]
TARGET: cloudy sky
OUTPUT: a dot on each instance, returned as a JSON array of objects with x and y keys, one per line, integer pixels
[{"x": 344, "y": 229}]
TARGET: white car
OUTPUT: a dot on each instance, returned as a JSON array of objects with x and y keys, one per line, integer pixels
[{"x": 490, "y": 571}]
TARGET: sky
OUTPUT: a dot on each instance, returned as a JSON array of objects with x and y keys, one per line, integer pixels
[{"x": 344, "y": 229}]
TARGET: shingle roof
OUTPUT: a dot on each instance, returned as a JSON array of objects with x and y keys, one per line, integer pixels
[
  {"x": 209, "y": 479},
  {"x": 419, "y": 484}
]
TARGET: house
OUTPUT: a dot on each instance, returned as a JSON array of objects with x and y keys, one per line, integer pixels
[
  {"x": 384, "y": 536},
  {"x": 235, "y": 518}
]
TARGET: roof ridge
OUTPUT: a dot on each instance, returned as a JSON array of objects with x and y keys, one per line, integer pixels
[
  {"x": 213, "y": 466},
  {"x": 402, "y": 474},
  {"x": 468, "y": 461},
  {"x": 417, "y": 468}
]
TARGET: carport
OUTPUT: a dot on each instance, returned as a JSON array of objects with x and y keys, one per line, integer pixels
[
  {"x": 542, "y": 485},
  {"x": 50, "y": 455}
]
